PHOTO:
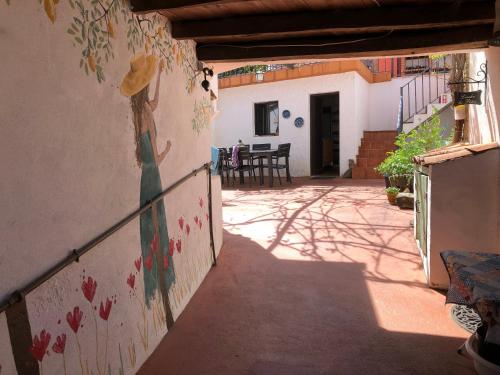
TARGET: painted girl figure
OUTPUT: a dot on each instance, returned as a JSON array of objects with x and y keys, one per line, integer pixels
[{"x": 157, "y": 262}]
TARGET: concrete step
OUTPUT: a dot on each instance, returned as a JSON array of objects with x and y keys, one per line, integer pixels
[
  {"x": 372, "y": 151},
  {"x": 364, "y": 172}
]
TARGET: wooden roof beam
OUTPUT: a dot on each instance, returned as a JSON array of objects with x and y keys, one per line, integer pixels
[
  {"x": 345, "y": 46},
  {"x": 143, "y": 6},
  {"x": 434, "y": 15}
]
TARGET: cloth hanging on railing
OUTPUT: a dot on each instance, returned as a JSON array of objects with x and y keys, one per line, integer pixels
[
  {"x": 235, "y": 160},
  {"x": 215, "y": 161}
]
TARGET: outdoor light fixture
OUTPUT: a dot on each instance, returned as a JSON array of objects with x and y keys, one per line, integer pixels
[
  {"x": 259, "y": 76},
  {"x": 205, "y": 83}
]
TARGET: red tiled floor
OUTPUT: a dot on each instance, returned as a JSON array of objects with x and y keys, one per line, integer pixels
[{"x": 318, "y": 277}]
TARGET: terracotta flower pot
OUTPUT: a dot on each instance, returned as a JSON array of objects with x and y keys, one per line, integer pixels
[{"x": 391, "y": 197}]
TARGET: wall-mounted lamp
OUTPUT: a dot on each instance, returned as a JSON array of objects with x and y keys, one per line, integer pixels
[
  {"x": 205, "y": 83},
  {"x": 259, "y": 76}
]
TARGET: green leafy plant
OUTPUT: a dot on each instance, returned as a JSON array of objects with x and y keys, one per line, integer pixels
[
  {"x": 426, "y": 137},
  {"x": 392, "y": 190}
]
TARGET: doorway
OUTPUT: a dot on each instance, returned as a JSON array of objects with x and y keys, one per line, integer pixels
[{"x": 325, "y": 135}]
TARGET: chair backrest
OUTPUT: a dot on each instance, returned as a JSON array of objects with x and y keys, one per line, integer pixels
[
  {"x": 284, "y": 150},
  {"x": 261, "y": 146},
  {"x": 243, "y": 153}
]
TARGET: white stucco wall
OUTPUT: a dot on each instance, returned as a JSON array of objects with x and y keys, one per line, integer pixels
[
  {"x": 484, "y": 119},
  {"x": 354, "y": 133},
  {"x": 384, "y": 103},
  {"x": 363, "y": 106},
  {"x": 236, "y": 118},
  {"x": 69, "y": 172}
]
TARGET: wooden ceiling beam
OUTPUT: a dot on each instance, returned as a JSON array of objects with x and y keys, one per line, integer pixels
[
  {"x": 143, "y": 6},
  {"x": 434, "y": 15},
  {"x": 345, "y": 46}
]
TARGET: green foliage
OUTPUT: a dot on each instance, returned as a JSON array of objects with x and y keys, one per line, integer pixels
[
  {"x": 392, "y": 190},
  {"x": 424, "y": 138}
]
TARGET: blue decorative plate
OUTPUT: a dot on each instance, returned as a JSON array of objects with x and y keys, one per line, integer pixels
[
  {"x": 286, "y": 113},
  {"x": 299, "y": 121}
]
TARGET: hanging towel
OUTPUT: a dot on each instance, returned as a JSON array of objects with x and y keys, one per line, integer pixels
[
  {"x": 235, "y": 162},
  {"x": 215, "y": 161}
]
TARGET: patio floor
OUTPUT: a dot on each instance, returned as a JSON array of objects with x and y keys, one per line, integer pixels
[{"x": 318, "y": 277}]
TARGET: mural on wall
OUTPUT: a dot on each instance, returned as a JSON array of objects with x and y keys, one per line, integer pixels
[
  {"x": 153, "y": 224},
  {"x": 203, "y": 111},
  {"x": 94, "y": 29},
  {"x": 77, "y": 339}
]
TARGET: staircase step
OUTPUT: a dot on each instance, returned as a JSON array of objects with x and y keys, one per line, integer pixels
[
  {"x": 358, "y": 172},
  {"x": 372, "y": 163},
  {"x": 371, "y": 173},
  {"x": 372, "y": 151},
  {"x": 377, "y": 153},
  {"x": 362, "y": 162},
  {"x": 362, "y": 153}
]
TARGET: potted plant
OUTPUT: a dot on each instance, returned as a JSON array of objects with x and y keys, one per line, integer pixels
[
  {"x": 392, "y": 193},
  {"x": 398, "y": 165}
]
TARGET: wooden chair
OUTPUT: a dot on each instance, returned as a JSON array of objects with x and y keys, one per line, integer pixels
[{"x": 283, "y": 152}]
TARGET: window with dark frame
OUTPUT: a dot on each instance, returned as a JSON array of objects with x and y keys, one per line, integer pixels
[{"x": 266, "y": 118}]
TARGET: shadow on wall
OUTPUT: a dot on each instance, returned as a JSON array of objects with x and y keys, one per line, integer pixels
[{"x": 256, "y": 314}]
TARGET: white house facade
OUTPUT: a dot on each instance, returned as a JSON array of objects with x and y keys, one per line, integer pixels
[{"x": 363, "y": 105}]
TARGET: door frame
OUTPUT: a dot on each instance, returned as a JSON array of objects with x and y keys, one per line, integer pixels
[{"x": 312, "y": 121}]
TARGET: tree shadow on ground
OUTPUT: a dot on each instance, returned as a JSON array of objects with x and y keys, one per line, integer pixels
[{"x": 255, "y": 314}]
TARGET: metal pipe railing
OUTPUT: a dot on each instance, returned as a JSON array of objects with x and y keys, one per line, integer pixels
[
  {"x": 411, "y": 107},
  {"x": 75, "y": 254}
]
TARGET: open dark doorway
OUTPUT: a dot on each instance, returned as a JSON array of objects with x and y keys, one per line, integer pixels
[{"x": 325, "y": 134}]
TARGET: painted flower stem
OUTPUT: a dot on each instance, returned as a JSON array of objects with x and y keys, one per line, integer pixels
[
  {"x": 144, "y": 332},
  {"x": 96, "y": 343},
  {"x": 106, "y": 346},
  {"x": 64, "y": 364},
  {"x": 79, "y": 353}
]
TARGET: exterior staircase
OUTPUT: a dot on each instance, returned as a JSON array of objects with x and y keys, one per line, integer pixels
[
  {"x": 421, "y": 96},
  {"x": 420, "y": 118},
  {"x": 372, "y": 151}
]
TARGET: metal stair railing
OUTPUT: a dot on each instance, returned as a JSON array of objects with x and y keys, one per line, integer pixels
[{"x": 423, "y": 89}]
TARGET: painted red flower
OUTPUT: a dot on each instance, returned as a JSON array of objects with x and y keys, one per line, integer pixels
[
  {"x": 181, "y": 223},
  {"x": 165, "y": 261},
  {"x": 74, "y": 319},
  {"x": 148, "y": 262},
  {"x": 154, "y": 244},
  {"x": 201, "y": 202},
  {"x": 137, "y": 263},
  {"x": 196, "y": 219},
  {"x": 131, "y": 281},
  {"x": 178, "y": 245},
  {"x": 105, "y": 310},
  {"x": 88, "y": 288},
  {"x": 40, "y": 345},
  {"x": 188, "y": 229},
  {"x": 200, "y": 224},
  {"x": 60, "y": 344},
  {"x": 171, "y": 245}
]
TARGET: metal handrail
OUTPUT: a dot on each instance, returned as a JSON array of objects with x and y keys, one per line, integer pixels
[
  {"x": 410, "y": 95},
  {"x": 75, "y": 254}
]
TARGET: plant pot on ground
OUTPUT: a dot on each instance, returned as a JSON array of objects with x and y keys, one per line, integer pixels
[
  {"x": 402, "y": 182},
  {"x": 392, "y": 193}
]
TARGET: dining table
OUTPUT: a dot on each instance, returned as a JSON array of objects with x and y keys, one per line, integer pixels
[{"x": 268, "y": 154}]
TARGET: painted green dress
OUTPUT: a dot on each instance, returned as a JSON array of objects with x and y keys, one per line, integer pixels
[{"x": 158, "y": 270}]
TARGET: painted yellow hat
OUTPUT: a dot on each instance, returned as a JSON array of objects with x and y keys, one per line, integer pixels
[{"x": 142, "y": 70}]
